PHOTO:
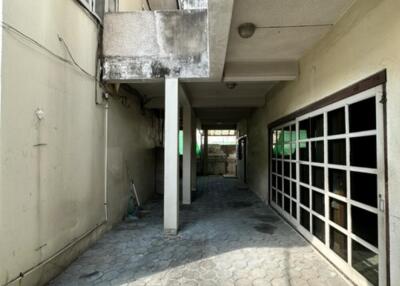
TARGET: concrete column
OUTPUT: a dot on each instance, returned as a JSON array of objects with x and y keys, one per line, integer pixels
[
  {"x": 187, "y": 155},
  {"x": 194, "y": 157},
  {"x": 171, "y": 162},
  {"x": 205, "y": 155}
]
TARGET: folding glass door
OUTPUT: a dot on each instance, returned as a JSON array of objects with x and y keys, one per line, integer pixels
[{"x": 327, "y": 179}]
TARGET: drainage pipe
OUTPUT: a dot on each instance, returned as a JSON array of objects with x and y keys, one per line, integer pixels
[{"x": 106, "y": 107}]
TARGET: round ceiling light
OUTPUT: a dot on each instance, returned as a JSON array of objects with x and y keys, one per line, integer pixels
[{"x": 246, "y": 30}]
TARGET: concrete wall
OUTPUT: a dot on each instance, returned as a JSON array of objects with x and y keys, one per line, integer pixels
[
  {"x": 52, "y": 170},
  {"x": 365, "y": 41},
  {"x": 131, "y": 142}
]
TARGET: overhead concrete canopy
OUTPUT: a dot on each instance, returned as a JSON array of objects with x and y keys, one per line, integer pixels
[
  {"x": 285, "y": 30},
  {"x": 155, "y": 44},
  {"x": 242, "y": 71}
]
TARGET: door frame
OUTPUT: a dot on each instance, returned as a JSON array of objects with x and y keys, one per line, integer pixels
[{"x": 243, "y": 150}]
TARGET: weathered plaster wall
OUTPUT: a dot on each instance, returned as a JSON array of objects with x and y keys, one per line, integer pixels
[
  {"x": 131, "y": 142},
  {"x": 155, "y": 44},
  {"x": 365, "y": 41},
  {"x": 52, "y": 196}
]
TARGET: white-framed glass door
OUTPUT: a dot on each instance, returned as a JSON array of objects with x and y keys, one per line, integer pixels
[{"x": 327, "y": 179}]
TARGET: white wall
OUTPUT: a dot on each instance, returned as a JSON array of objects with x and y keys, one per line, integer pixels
[
  {"x": 366, "y": 40},
  {"x": 130, "y": 5},
  {"x": 53, "y": 194}
]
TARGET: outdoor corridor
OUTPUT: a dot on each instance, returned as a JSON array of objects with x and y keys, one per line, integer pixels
[{"x": 228, "y": 236}]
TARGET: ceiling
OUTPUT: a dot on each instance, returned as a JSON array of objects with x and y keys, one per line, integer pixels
[
  {"x": 210, "y": 94},
  {"x": 286, "y": 30}
]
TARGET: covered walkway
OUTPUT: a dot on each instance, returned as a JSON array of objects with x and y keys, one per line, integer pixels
[{"x": 228, "y": 236}]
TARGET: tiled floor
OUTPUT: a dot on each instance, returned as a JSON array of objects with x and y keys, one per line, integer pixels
[{"x": 227, "y": 237}]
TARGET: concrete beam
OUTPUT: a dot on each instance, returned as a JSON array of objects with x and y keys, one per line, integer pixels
[
  {"x": 171, "y": 162},
  {"x": 261, "y": 71},
  {"x": 220, "y": 17},
  {"x": 199, "y": 102},
  {"x": 214, "y": 102},
  {"x": 155, "y": 44},
  {"x": 193, "y": 4}
]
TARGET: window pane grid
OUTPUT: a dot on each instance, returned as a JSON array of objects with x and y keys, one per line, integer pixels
[{"x": 311, "y": 153}]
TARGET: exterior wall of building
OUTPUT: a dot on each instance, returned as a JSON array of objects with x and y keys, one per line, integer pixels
[
  {"x": 52, "y": 170},
  {"x": 130, "y": 150},
  {"x": 363, "y": 42},
  {"x": 129, "y": 5}
]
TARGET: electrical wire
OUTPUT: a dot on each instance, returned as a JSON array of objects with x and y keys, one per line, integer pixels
[
  {"x": 73, "y": 59},
  {"x": 148, "y": 5},
  {"x": 72, "y": 62}
]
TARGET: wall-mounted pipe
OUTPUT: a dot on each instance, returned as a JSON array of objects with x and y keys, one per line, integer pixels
[{"x": 106, "y": 107}]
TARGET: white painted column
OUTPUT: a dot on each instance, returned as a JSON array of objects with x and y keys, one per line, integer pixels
[
  {"x": 171, "y": 162},
  {"x": 187, "y": 155}
]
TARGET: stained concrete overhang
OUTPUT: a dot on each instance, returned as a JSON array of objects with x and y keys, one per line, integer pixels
[
  {"x": 286, "y": 30},
  {"x": 155, "y": 44}
]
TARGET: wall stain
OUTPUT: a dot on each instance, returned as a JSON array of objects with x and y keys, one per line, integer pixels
[{"x": 158, "y": 70}]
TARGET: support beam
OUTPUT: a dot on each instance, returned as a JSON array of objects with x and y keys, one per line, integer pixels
[
  {"x": 187, "y": 155},
  {"x": 261, "y": 71},
  {"x": 220, "y": 18},
  {"x": 171, "y": 162}
]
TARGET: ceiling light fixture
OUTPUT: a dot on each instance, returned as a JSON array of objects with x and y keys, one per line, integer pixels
[{"x": 246, "y": 30}]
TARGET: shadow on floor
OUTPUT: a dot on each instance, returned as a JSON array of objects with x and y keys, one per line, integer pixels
[{"x": 227, "y": 237}]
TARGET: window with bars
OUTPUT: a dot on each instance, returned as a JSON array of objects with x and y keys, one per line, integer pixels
[{"x": 324, "y": 179}]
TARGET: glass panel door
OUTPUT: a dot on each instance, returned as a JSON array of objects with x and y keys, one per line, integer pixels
[{"x": 327, "y": 178}]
